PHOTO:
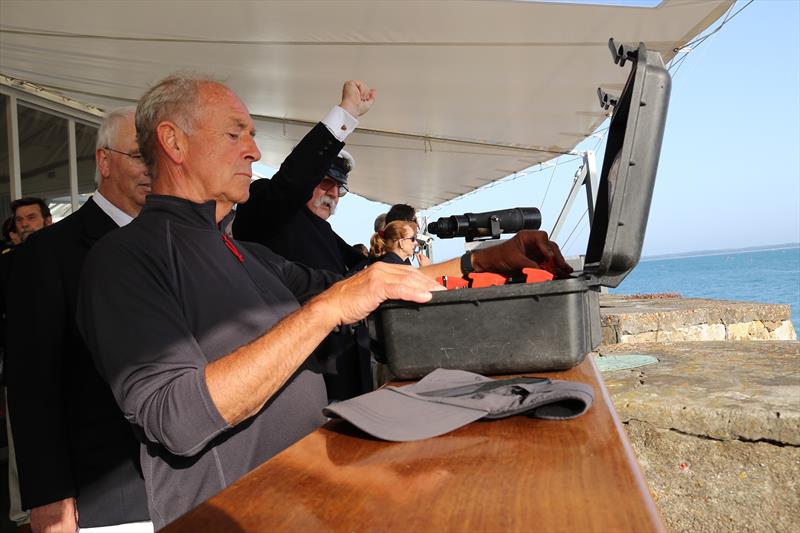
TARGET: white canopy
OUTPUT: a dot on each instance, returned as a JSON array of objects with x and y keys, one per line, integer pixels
[{"x": 468, "y": 92}]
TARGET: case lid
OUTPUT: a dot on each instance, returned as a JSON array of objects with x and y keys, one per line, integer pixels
[{"x": 629, "y": 166}]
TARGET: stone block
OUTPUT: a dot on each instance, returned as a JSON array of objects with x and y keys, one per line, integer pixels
[
  {"x": 706, "y": 485},
  {"x": 633, "y": 323},
  {"x": 609, "y": 335},
  {"x": 784, "y": 332},
  {"x": 699, "y": 332},
  {"x": 722, "y": 390},
  {"x": 754, "y": 330},
  {"x": 649, "y": 336}
]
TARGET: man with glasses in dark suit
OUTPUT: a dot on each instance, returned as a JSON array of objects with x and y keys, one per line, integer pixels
[{"x": 77, "y": 458}]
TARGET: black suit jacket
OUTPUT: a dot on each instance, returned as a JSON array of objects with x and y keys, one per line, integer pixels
[
  {"x": 277, "y": 217},
  {"x": 71, "y": 439}
]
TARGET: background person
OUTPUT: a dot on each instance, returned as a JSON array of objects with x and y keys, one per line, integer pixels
[
  {"x": 77, "y": 457},
  {"x": 405, "y": 212},
  {"x": 396, "y": 243},
  {"x": 402, "y": 212},
  {"x": 10, "y": 235},
  {"x": 30, "y": 215}
]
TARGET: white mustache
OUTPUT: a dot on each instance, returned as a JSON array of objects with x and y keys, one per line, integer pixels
[{"x": 326, "y": 201}]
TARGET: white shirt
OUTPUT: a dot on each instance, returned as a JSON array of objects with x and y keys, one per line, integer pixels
[
  {"x": 117, "y": 215},
  {"x": 340, "y": 123}
]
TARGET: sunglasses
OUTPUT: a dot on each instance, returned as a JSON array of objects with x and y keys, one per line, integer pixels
[{"x": 329, "y": 183}]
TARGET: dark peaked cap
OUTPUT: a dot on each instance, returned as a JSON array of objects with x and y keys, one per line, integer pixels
[
  {"x": 445, "y": 400},
  {"x": 341, "y": 167}
]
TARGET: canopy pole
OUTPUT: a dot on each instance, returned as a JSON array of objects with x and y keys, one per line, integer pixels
[{"x": 585, "y": 176}]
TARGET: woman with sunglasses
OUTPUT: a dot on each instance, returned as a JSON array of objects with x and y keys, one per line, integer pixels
[{"x": 396, "y": 243}]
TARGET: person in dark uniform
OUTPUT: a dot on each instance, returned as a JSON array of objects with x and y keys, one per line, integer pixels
[{"x": 291, "y": 218}]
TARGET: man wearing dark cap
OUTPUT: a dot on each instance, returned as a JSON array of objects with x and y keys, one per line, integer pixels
[{"x": 291, "y": 218}]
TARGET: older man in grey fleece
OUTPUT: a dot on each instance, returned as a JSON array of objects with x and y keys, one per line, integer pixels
[{"x": 207, "y": 342}]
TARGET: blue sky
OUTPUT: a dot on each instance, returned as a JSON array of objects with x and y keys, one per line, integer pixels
[{"x": 729, "y": 174}]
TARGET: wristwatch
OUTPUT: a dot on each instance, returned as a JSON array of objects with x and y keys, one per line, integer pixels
[{"x": 466, "y": 264}]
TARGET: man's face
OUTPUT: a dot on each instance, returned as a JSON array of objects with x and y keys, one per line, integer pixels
[
  {"x": 125, "y": 180},
  {"x": 221, "y": 149},
  {"x": 29, "y": 220},
  {"x": 324, "y": 198}
]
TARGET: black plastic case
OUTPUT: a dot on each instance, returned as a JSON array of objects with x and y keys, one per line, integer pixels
[{"x": 551, "y": 325}]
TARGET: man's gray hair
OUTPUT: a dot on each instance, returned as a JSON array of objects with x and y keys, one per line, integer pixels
[
  {"x": 108, "y": 131},
  {"x": 175, "y": 98}
]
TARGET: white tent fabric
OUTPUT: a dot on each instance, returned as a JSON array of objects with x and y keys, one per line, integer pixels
[{"x": 468, "y": 92}]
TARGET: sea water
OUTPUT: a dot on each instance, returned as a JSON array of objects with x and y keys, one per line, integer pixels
[{"x": 768, "y": 276}]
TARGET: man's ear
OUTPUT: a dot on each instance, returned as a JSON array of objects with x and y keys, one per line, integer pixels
[
  {"x": 48, "y": 221},
  {"x": 172, "y": 141},
  {"x": 103, "y": 164}
]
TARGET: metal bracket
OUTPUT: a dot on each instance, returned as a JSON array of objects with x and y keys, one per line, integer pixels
[
  {"x": 622, "y": 52},
  {"x": 494, "y": 223},
  {"x": 606, "y": 100}
]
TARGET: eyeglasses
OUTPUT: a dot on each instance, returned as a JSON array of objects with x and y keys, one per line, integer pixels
[
  {"x": 329, "y": 183},
  {"x": 135, "y": 156}
]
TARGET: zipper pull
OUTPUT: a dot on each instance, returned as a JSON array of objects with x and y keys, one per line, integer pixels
[{"x": 232, "y": 248}]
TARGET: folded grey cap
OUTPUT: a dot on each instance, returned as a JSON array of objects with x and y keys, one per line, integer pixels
[{"x": 445, "y": 400}]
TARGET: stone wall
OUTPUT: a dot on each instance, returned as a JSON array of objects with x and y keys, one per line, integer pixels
[{"x": 636, "y": 320}]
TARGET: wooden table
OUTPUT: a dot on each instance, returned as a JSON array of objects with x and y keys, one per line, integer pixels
[{"x": 515, "y": 474}]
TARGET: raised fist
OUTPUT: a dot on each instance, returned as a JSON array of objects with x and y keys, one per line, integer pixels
[{"x": 357, "y": 98}]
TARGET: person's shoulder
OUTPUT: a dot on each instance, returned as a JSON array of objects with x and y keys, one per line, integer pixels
[
  {"x": 55, "y": 233},
  {"x": 390, "y": 257},
  {"x": 123, "y": 245}
]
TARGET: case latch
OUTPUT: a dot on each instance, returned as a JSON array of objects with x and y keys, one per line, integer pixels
[
  {"x": 606, "y": 100},
  {"x": 622, "y": 52}
]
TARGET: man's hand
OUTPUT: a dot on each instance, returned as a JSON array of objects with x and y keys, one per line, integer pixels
[
  {"x": 357, "y": 98},
  {"x": 423, "y": 259},
  {"x": 56, "y": 517},
  {"x": 528, "y": 248},
  {"x": 354, "y": 298}
]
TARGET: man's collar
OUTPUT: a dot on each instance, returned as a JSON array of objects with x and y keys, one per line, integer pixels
[
  {"x": 120, "y": 217},
  {"x": 182, "y": 210}
]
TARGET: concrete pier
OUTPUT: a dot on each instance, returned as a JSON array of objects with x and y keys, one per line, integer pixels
[
  {"x": 715, "y": 424},
  {"x": 716, "y": 429}
]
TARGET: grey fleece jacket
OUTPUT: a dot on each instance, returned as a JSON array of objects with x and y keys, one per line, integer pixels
[{"x": 160, "y": 299}]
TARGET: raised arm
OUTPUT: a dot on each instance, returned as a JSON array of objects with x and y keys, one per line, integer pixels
[{"x": 273, "y": 201}]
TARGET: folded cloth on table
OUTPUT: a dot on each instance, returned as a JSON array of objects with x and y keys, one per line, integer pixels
[{"x": 445, "y": 400}]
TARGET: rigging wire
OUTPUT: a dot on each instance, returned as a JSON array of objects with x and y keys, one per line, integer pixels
[
  {"x": 566, "y": 243},
  {"x": 676, "y": 65},
  {"x": 555, "y": 166},
  {"x": 727, "y": 19},
  {"x": 539, "y": 167}
]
